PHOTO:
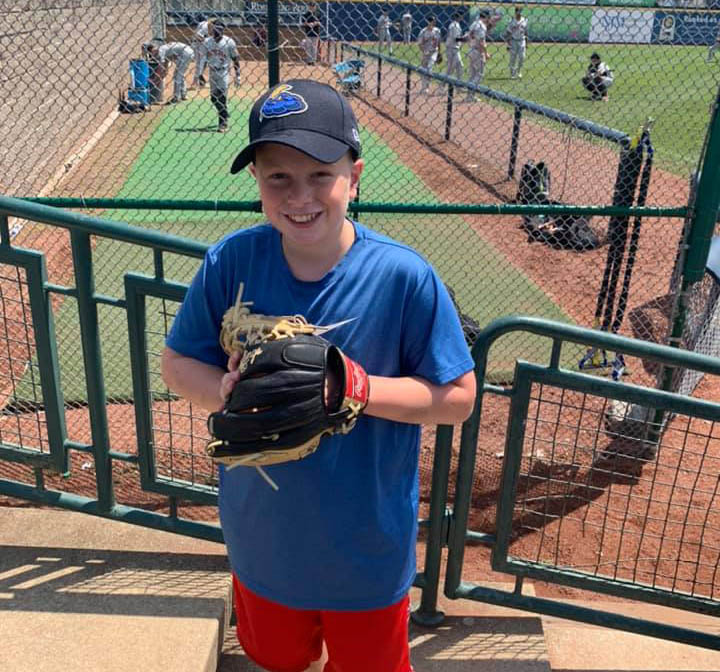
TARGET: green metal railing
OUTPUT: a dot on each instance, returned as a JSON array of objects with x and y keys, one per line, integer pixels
[{"x": 456, "y": 526}]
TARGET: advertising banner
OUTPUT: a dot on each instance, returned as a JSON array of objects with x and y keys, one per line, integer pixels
[
  {"x": 553, "y": 23},
  {"x": 621, "y": 26},
  {"x": 627, "y": 3},
  {"x": 685, "y": 28}
]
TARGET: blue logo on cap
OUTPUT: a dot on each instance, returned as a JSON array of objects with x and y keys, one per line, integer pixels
[{"x": 281, "y": 103}]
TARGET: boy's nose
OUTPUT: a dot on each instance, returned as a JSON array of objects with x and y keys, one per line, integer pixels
[{"x": 299, "y": 193}]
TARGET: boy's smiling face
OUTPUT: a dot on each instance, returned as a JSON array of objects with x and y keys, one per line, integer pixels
[{"x": 304, "y": 199}]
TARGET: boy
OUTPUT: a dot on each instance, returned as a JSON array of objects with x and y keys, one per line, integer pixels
[
  {"x": 516, "y": 37},
  {"x": 330, "y": 556},
  {"x": 598, "y": 78},
  {"x": 220, "y": 51},
  {"x": 429, "y": 43}
]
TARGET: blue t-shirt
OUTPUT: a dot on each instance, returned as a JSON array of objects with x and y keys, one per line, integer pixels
[{"x": 340, "y": 533}]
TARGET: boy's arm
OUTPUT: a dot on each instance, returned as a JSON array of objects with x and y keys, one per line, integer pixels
[
  {"x": 416, "y": 401},
  {"x": 196, "y": 381}
]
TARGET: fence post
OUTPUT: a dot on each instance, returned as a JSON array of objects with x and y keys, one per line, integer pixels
[
  {"x": 427, "y": 613},
  {"x": 379, "y": 76},
  {"x": 407, "y": 92},
  {"x": 92, "y": 360},
  {"x": 703, "y": 215},
  {"x": 449, "y": 111},
  {"x": 517, "y": 118},
  {"x": 273, "y": 52}
]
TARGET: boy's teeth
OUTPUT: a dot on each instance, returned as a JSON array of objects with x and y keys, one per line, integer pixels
[{"x": 302, "y": 218}]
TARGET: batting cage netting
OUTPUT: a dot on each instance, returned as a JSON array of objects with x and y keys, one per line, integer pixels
[{"x": 134, "y": 109}]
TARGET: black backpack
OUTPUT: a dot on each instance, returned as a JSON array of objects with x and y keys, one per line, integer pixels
[{"x": 567, "y": 232}]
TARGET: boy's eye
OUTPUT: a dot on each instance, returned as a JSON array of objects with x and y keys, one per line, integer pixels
[{"x": 277, "y": 176}]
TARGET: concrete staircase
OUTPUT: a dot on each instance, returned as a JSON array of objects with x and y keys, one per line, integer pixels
[{"x": 85, "y": 594}]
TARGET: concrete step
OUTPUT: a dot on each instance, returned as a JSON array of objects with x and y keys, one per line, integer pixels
[
  {"x": 93, "y": 595},
  {"x": 88, "y": 594}
]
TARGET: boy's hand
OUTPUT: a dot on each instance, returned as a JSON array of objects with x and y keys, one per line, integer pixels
[
  {"x": 231, "y": 377},
  {"x": 285, "y": 395}
]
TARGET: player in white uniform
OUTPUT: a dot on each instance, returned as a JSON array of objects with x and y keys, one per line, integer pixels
[
  {"x": 383, "y": 31},
  {"x": 453, "y": 42},
  {"x": 598, "y": 78},
  {"x": 478, "y": 54},
  {"x": 220, "y": 51},
  {"x": 406, "y": 24},
  {"x": 714, "y": 46},
  {"x": 429, "y": 43},
  {"x": 516, "y": 37},
  {"x": 198, "y": 45},
  {"x": 180, "y": 54}
]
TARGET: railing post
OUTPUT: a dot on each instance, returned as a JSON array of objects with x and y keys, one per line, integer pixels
[
  {"x": 427, "y": 613},
  {"x": 273, "y": 52},
  {"x": 514, "y": 140},
  {"x": 379, "y": 76},
  {"x": 449, "y": 111},
  {"x": 92, "y": 360},
  {"x": 407, "y": 91}
]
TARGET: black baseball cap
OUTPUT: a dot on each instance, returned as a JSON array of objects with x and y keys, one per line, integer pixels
[{"x": 306, "y": 115}]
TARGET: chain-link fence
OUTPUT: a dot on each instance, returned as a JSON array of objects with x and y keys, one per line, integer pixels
[{"x": 112, "y": 99}]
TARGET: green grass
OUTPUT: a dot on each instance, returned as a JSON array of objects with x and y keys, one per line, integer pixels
[
  {"x": 674, "y": 85},
  {"x": 166, "y": 162}
]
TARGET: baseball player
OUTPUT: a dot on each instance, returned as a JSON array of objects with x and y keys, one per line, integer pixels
[
  {"x": 198, "y": 45},
  {"x": 598, "y": 78},
  {"x": 406, "y": 22},
  {"x": 180, "y": 54},
  {"x": 714, "y": 46},
  {"x": 453, "y": 42},
  {"x": 383, "y": 31},
  {"x": 220, "y": 51},
  {"x": 429, "y": 43},
  {"x": 312, "y": 27},
  {"x": 516, "y": 38},
  {"x": 478, "y": 54}
]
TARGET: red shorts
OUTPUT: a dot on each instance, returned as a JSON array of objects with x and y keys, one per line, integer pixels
[{"x": 281, "y": 639}]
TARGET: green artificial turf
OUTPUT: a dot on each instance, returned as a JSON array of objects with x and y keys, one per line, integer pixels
[
  {"x": 486, "y": 282},
  {"x": 672, "y": 84}
]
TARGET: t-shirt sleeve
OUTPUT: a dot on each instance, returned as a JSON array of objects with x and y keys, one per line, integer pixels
[
  {"x": 434, "y": 346},
  {"x": 196, "y": 328}
]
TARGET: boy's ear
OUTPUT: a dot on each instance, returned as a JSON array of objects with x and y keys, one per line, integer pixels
[
  {"x": 251, "y": 168},
  {"x": 355, "y": 172}
]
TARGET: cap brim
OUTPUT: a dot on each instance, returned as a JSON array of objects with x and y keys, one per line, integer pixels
[{"x": 316, "y": 145}]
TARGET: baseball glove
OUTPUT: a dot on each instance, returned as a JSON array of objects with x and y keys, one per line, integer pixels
[
  {"x": 294, "y": 388},
  {"x": 439, "y": 59}
]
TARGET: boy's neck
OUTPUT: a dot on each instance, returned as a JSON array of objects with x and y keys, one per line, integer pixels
[{"x": 314, "y": 263}]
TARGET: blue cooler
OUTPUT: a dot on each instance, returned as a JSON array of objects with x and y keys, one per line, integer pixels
[{"x": 139, "y": 81}]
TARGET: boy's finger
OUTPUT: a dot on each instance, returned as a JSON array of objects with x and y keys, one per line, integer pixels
[{"x": 234, "y": 361}]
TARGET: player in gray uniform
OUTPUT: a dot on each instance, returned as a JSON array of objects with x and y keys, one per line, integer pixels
[
  {"x": 198, "y": 45},
  {"x": 406, "y": 25},
  {"x": 453, "y": 42},
  {"x": 478, "y": 54},
  {"x": 220, "y": 51},
  {"x": 180, "y": 54},
  {"x": 383, "y": 31},
  {"x": 516, "y": 37},
  {"x": 429, "y": 43}
]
